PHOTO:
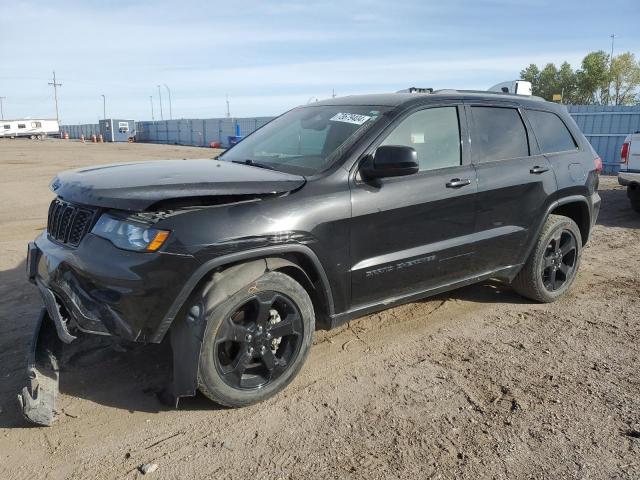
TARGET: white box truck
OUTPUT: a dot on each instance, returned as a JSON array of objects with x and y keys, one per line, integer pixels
[{"x": 29, "y": 127}]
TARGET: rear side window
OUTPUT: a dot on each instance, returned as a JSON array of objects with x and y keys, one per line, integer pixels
[
  {"x": 498, "y": 134},
  {"x": 551, "y": 132},
  {"x": 434, "y": 133}
]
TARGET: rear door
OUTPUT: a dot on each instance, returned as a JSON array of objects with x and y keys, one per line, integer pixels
[
  {"x": 411, "y": 234},
  {"x": 514, "y": 183}
]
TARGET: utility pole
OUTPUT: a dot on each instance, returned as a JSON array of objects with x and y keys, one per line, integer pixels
[
  {"x": 333, "y": 93},
  {"x": 104, "y": 106},
  {"x": 55, "y": 86},
  {"x": 151, "y": 100},
  {"x": 1, "y": 110},
  {"x": 160, "y": 96},
  {"x": 228, "y": 111},
  {"x": 613, "y": 37},
  {"x": 169, "y": 92}
]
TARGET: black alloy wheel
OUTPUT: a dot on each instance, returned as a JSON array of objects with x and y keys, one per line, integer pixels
[
  {"x": 553, "y": 263},
  {"x": 559, "y": 262},
  {"x": 257, "y": 341}
]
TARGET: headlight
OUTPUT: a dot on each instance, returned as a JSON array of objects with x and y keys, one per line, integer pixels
[{"x": 129, "y": 235}]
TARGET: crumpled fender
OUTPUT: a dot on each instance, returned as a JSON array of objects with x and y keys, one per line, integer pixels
[
  {"x": 37, "y": 400},
  {"x": 187, "y": 331}
]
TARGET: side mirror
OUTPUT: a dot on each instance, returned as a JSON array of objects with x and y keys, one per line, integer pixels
[{"x": 391, "y": 161}]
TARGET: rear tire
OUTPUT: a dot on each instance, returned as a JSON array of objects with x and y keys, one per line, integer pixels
[
  {"x": 633, "y": 192},
  {"x": 256, "y": 341},
  {"x": 553, "y": 264}
]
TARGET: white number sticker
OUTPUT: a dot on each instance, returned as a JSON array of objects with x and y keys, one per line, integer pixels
[{"x": 354, "y": 118}]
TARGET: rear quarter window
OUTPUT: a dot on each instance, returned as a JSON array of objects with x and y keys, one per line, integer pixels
[{"x": 551, "y": 132}]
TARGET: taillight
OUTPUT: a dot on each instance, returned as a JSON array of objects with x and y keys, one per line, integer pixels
[
  {"x": 598, "y": 164},
  {"x": 624, "y": 153}
]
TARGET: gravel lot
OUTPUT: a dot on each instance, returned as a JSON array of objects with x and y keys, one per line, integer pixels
[{"x": 476, "y": 383}]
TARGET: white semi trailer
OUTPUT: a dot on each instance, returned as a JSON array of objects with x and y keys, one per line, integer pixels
[{"x": 29, "y": 127}]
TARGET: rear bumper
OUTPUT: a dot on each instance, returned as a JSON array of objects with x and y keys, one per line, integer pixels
[
  {"x": 100, "y": 289},
  {"x": 626, "y": 178}
]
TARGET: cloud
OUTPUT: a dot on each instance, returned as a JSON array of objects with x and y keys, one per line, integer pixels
[{"x": 272, "y": 55}]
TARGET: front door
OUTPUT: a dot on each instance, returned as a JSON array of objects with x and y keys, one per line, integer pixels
[{"x": 414, "y": 233}]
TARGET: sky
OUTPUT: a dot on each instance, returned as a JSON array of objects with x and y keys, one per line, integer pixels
[{"x": 270, "y": 56}]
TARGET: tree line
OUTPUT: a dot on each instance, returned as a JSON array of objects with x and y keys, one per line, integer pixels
[{"x": 600, "y": 80}]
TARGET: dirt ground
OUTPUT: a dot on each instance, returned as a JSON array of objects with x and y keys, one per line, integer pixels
[{"x": 476, "y": 383}]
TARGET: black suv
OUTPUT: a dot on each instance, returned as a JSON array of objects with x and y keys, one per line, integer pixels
[{"x": 329, "y": 212}]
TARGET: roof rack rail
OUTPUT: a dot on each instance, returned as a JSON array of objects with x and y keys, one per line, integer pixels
[
  {"x": 490, "y": 92},
  {"x": 480, "y": 92},
  {"x": 416, "y": 90}
]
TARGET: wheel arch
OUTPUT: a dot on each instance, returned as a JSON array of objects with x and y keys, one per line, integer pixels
[
  {"x": 297, "y": 261},
  {"x": 577, "y": 209}
]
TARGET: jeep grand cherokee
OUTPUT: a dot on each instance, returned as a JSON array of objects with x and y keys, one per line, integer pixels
[{"x": 331, "y": 211}]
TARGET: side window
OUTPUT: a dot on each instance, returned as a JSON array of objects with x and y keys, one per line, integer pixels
[
  {"x": 22, "y": 125},
  {"x": 434, "y": 133},
  {"x": 7, "y": 127},
  {"x": 498, "y": 134},
  {"x": 36, "y": 124},
  {"x": 551, "y": 132}
]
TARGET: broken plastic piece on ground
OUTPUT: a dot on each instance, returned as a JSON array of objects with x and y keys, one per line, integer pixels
[{"x": 37, "y": 400}]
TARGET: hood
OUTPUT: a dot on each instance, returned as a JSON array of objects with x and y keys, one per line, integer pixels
[{"x": 137, "y": 186}]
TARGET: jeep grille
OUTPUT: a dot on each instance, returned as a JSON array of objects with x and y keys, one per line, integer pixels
[{"x": 68, "y": 223}]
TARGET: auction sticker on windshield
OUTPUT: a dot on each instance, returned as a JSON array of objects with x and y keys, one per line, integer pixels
[{"x": 354, "y": 118}]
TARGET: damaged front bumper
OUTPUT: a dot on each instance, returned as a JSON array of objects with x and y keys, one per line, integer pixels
[{"x": 79, "y": 305}]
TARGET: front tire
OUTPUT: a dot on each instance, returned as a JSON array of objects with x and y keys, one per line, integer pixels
[
  {"x": 553, "y": 264},
  {"x": 256, "y": 341}
]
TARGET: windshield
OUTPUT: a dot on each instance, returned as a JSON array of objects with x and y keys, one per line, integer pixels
[{"x": 305, "y": 140}]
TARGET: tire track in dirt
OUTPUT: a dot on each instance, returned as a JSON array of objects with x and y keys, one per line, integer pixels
[{"x": 474, "y": 383}]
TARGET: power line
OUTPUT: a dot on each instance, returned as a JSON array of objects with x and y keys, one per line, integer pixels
[{"x": 55, "y": 86}]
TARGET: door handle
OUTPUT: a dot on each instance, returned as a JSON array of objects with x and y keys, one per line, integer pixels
[
  {"x": 538, "y": 170},
  {"x": 457, "y": 182}
]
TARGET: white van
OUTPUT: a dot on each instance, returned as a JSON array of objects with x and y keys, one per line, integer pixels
[
  {"x": 29, "y": 127},
  {"x": 629, "y": 174}
]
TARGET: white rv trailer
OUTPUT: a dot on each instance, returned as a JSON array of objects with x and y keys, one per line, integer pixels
[{"x": 29, "y": 127}]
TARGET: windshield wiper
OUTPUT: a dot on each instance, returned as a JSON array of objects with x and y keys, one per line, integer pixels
[{"x": 253, "y": 164}]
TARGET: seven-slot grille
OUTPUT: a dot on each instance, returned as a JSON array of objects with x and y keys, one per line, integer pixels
[{"x": 68, "y": 223}]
